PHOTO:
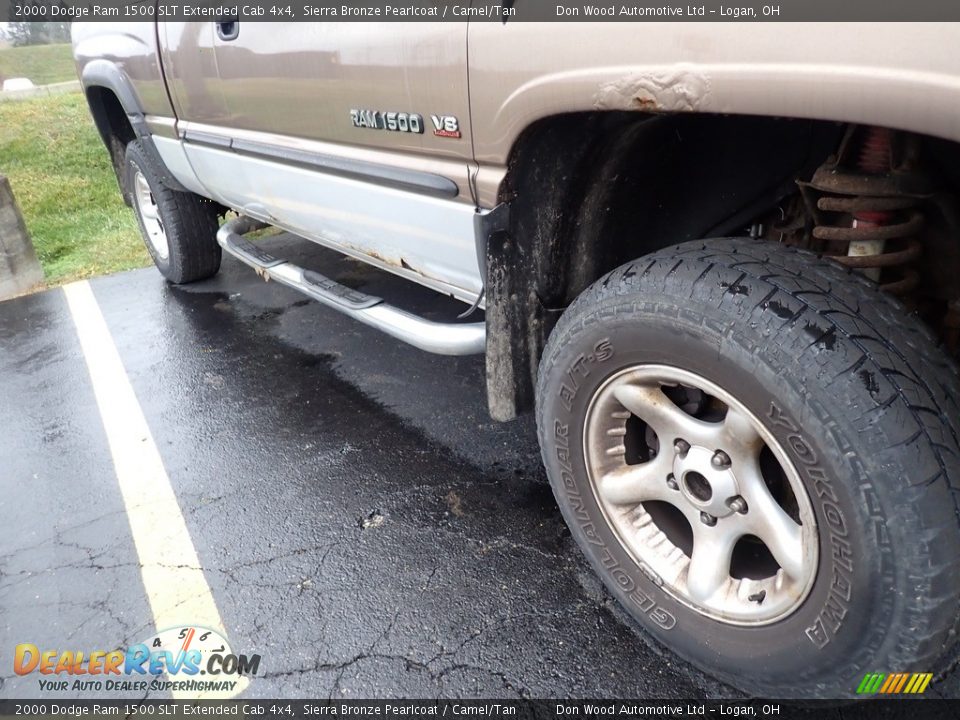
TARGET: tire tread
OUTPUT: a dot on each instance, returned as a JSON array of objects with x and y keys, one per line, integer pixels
[
  {"x": 914, "y": 377},
  {"x": 190, "y": 221}
]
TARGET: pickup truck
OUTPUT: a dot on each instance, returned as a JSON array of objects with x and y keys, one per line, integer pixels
[{"x": 720, "y": 262}]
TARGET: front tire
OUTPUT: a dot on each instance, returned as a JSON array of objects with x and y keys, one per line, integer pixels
[
  {"x": 758, "y": 452},
  {"x": 178, "y": 228}
]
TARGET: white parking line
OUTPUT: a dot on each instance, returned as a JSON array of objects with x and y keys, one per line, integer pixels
[{"x": 175, "y": 585}]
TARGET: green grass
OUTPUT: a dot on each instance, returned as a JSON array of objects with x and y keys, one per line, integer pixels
[
  {"x": 43, "y": 64},
  {"x": 63, "y": 181}
]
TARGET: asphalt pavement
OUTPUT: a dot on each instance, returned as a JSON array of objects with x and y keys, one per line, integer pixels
[{"x": 360, "y": 521}]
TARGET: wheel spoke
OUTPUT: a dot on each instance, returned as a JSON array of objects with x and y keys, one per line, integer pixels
[
  {"x": 716, "y": 466},
  {"x": 650, "y": 404},
  {"x": 709, "y": 565},
  {"x": 770, "y": 522},
  {"x": 742, "y": 430},
  {"x": 633, "y": 484},
  {"x": 149, "y": 212}
]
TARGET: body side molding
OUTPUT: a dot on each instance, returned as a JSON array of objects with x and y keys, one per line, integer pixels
[{"x": 409, "y": 180}]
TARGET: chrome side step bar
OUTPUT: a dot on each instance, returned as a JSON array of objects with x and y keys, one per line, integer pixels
[{"x": 440, "y": 338}]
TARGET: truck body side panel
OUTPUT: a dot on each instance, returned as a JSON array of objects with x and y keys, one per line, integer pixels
[
  {"x": 132, "y": 48},
  {"x": 266, "y": 122},
  {"x": 899, "y": 75}
]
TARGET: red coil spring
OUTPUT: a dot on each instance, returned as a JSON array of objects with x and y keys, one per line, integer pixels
[
  {"x": 890, "y": 222},
  {"x": 875, "y": 151}
]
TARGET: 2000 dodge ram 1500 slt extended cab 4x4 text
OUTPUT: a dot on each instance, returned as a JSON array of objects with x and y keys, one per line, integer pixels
[{"x": 721, "y": 265}]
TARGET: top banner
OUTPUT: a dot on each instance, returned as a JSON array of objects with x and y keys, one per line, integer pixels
[{"x": 506, "y": 11}]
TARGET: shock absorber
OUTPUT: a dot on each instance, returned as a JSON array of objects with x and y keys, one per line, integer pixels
[{"x": 865, "y": 203}]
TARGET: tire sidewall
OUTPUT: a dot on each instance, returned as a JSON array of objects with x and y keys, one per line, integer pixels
[
  {"x": 835, "y": 631},
  {"x": 135, "y": 162}
]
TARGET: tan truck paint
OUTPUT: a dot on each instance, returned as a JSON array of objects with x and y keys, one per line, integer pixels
[
  {"x": 900, "y": 75},
  {"x": 293, "y": 85}
]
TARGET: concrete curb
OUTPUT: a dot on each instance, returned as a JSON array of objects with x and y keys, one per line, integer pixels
[
  {"x": 41, "y": 90},
  {"x": 19, "y": 270}
]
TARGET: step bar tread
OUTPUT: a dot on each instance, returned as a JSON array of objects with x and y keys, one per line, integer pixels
[
  {"x": 245, "y": 250},
  {"x": 340, "y": 293},
  {"x": 441, "y": 338}
]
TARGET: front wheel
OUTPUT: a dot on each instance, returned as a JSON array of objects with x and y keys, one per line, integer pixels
[
  {"x": 757, "y": 451},
  {"x": 178, "y": 228}
]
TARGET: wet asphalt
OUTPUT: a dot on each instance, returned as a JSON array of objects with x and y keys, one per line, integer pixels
[{"x": 362, "y": 523}]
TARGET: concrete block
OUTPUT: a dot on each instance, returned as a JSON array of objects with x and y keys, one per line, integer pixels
[
  {"x": 40, "y": 90},
  {"x": 19, "y": 268}
]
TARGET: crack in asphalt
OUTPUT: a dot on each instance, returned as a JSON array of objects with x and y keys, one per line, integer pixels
[
  {"x": 60, "y": 532},
  {"x": 276, "y": 437},
  {"x": 437, "y": 675}
]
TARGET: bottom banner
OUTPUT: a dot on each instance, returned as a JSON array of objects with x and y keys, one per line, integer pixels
[{"x": 912, "y": 709}]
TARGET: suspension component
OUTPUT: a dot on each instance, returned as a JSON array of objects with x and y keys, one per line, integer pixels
[{"x": 866, "y": 206}]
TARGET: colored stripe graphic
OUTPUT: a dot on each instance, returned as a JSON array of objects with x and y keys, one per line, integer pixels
[
  {"x": 894, "y": 683},
  {"x": 888, "y": 683},
  {"x": 870, "y": 683}
]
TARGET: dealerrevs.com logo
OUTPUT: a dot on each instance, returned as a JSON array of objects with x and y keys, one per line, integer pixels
[{"x": 193, "y": 659}]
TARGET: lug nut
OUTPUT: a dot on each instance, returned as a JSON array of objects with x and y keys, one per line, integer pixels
[
  {"x": 737, "y": 504},
  {"x": 681, "y": 447},
  {"x": 672, "y": 482},
  {"x": 720, "y": 460},
  {"x": 708, "y": 519}
]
